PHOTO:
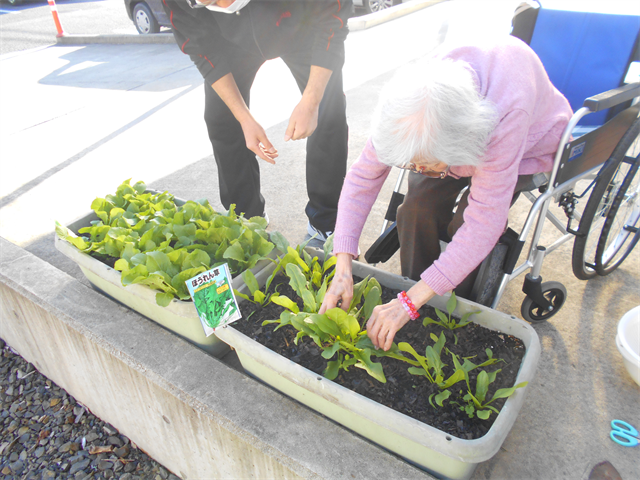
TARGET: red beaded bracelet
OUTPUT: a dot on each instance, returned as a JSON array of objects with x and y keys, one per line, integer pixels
[{"x": 408, "y": 305}]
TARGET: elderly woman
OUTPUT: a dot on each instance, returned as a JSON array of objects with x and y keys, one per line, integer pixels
[{"x": 484, "y": 115}]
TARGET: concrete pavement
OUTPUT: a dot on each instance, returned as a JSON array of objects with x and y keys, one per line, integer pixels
[{"x": 77, "y": 120}]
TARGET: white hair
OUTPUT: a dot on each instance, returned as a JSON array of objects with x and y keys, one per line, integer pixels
[{"x": 433, "y": 110}]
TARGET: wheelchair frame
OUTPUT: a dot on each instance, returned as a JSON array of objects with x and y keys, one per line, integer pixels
[{"x": 543, "y": 297}]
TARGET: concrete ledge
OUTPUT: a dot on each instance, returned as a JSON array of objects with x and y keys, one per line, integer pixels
[
  {"x": 191, "y": 412},
  {"x": 116, "y": 39},
  {"x": 367, "y": 21}
]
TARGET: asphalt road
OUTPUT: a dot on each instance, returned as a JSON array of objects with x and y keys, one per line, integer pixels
[{"x": 31, "y": 25}]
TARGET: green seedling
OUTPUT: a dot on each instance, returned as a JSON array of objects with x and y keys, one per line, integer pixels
[
  {"x": 477, "y": 404},
  {"x": 447, "y": 321},
  {"x": 257, "y": 296},
  {"x": 338, "y": 333},
  {"x": 160, "y": 244}
]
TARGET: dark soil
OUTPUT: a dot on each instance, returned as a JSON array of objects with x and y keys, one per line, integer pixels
[{"x": 403, "y": 392}]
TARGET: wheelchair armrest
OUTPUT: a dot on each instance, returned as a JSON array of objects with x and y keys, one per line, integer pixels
[{"x": 613, "y": 97}]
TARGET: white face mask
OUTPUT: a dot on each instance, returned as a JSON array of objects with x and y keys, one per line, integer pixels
[{"x": 233, "y": 8}]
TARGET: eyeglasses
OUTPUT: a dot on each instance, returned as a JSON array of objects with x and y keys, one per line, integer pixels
[{"x": 422, "y": 170}]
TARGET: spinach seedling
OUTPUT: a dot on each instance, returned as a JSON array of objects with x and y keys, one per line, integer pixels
[
  {"x": 477, "y": 404},
  {"x": 447, "y": 321},
  {"x": 160, "y": 244}
]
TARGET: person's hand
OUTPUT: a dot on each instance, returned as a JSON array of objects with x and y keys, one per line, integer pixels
[
  {"x": 384, "y": 323},
  {"x": 387, "y": 319},
  {"x": 341, "y": 288},
  {"x": 257, "y": 141},
  {"x": 303, "y": 121}
]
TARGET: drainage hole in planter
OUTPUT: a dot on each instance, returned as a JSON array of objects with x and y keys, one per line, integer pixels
[{"x": 448, "y": 438}]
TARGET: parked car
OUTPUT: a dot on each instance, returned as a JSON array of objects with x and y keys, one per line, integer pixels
[
  {"x": 371, "y": 6},
  {"x": 147, "y": 15}
]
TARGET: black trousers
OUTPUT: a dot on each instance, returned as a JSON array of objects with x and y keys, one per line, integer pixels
[
  {"x": 238, "y": 167},
  {"x": 426, "y": 216}
]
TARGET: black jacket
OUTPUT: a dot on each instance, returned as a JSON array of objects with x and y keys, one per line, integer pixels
[{"x": 265, "y": 28}]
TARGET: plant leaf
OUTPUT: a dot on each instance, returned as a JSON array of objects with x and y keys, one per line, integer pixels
[
  {"x": 281, "y": 243},
  {"x": 442, "y": 396},
  {"x": 458, "y": 376},
  {"x": 121, "y": 265},
  {"x": 372, "y": 300},
  {"x": 299, "y": 284},
  {"x": 286, "y": 302},
  {"x": 330, "y": 352},
  {"x": 483, "y": 414},
  {"x": 443, "y": 318},
  {"x": 197, "y": 258},
  {"x": 482, "y": 386},
  {"x": 164, "y": 299},
  {"x": 451, "y": 303},
  {"x": 234, "y": 252},
  {"x": 373, "y": 368},
  {"x": 250, "y": 280},
  {"x": 507, "y": 392},
  {"x": 331, "y": 372},
  {"x": 326, "y": 324}
]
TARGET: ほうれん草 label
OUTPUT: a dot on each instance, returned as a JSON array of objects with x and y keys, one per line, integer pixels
[{"x": 213, "y": 298}]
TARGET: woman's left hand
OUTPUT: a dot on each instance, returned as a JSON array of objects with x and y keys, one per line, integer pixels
[
  {"x": 387, "y": 319},
  {"x": 384, "y": 323}
]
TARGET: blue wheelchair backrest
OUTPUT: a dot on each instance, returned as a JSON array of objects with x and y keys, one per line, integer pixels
[{"x": 584, "y": 53}]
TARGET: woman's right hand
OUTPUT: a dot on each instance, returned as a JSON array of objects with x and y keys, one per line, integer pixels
[
  {"x": 257, "y": 141},
  {"x": 341, "y": 289},
  {"x": 254, "y": 135}
]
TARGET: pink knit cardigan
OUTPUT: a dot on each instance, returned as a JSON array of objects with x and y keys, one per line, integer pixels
[{"x": 533, "y": 115}]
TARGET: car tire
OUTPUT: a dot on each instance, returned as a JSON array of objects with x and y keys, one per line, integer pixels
[
  {"x": 144, "y": 20},
  {"x": 372, "y": 6}
]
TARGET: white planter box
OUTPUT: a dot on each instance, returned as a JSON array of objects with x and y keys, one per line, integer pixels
[
  {"x": 424, "y": 446},
  {"x": 179, "y": 316}
]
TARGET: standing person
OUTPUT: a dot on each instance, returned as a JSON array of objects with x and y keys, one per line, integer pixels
[
  {"x": 228, "y": 41},
  {"x": 484, "y": 115}
]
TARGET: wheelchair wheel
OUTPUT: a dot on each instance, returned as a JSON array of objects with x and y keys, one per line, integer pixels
[
  {"x": 555, "y": 293},
  {"x": 620, "y": 232},
  {"x": 610, "y": 181}
]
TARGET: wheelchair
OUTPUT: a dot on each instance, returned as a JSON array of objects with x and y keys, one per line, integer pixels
[{"x": 599, "y": 158}]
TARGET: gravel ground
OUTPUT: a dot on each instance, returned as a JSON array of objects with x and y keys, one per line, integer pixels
[{"x": 46, "y": 434}]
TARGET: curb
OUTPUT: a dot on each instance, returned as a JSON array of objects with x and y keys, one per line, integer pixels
[
  {"x": 116, "y": 39},
  {"x": 364, "y": 22},
  {"x": 356, "y": 24}
]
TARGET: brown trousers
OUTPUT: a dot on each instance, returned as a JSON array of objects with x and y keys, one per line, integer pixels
[{"x": 427, "y": 216}]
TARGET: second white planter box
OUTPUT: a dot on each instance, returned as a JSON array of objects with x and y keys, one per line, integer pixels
[{"x": 180, "y": 316}]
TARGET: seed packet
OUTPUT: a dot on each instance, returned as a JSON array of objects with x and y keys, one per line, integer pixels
[{"x": 213, "y": 298}]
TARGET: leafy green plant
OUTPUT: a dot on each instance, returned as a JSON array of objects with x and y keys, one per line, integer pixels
[
  {"x": 477, "y": 403},
  {"x": 432, "y": 367},
  {"x": 160, "y": 244},
  {"x": 256, "y": 295},
  {"x": 338, "y": 333},
  {"x": 308, "y": 277},
  {"x": 448, "y": 321}
]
